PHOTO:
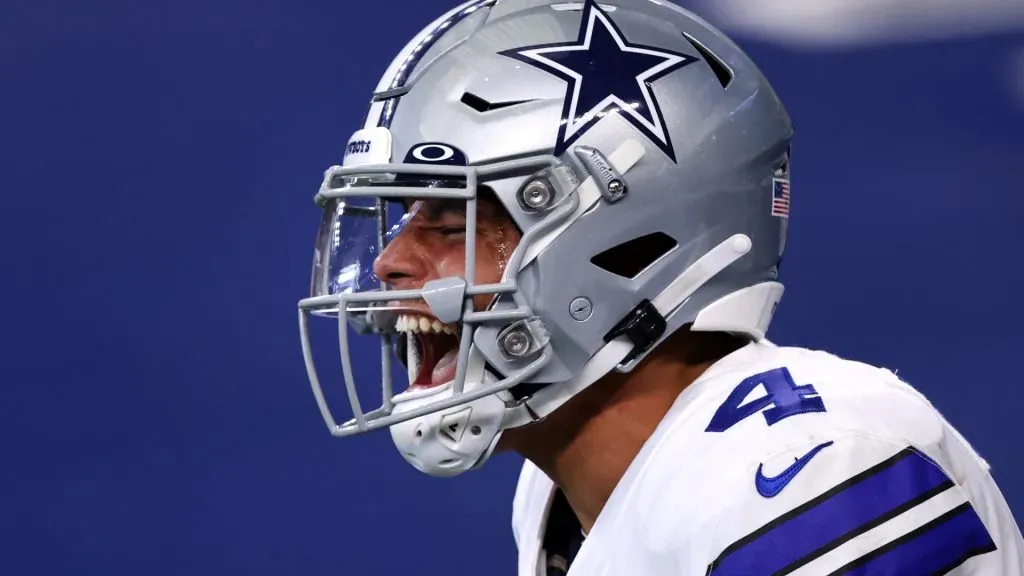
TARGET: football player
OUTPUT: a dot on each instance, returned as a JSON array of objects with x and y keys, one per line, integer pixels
[{"x": 566, "y": 220}]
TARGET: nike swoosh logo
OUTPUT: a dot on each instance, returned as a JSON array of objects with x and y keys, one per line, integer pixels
[{"x": 770, "y": 487}]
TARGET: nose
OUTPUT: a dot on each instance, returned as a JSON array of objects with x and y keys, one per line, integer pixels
[{"x": 402, "y": 264}]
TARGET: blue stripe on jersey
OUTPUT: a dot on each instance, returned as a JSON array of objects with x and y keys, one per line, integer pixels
[
  {"x": 387, "y": 113},
  {"x": 840, "y": 514},
  {"x": 935, "y": 548}
]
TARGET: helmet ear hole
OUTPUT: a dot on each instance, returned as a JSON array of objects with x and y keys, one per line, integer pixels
[{"x": 632, "y": 257}]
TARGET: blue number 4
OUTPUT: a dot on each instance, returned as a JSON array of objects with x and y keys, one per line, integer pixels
[{"x": 783, "y": 395}]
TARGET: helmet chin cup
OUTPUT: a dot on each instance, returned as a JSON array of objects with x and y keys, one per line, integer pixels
[
  {"x": 449, "y": 442},
  {"x": 452, "y": 441}
]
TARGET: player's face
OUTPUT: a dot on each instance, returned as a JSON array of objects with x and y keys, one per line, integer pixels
[{"x": 432, "y": 245}]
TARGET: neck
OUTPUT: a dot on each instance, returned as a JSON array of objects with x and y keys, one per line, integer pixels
[{"x": 586, "y": 446}]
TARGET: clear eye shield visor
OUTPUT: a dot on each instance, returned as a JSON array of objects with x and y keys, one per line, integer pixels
[{"x": 429, "y": 323}]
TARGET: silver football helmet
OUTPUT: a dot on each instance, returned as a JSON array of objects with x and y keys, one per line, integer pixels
[{"x": 644, "y": 160}]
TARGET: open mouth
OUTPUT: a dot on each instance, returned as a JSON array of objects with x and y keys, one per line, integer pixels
[{"x": 428, "y": 349}]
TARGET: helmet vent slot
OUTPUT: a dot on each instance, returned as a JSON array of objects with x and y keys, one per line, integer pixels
[
  {"x": 631, "y": 258},
  {"x": 480, "y": 105},
  {"x": 722, "y": 72}
]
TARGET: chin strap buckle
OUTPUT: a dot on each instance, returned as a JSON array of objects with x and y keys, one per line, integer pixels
[{"x": 644, "y": 325}]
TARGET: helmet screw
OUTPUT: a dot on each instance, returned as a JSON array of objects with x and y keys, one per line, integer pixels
[
  {"x": 516, "y": 343},
  {"x": 616, "y": 187},
  {"x": 475, "y": 430},
  {"x": 535, "y": 195},
  {"x": 581, "y": 308}
]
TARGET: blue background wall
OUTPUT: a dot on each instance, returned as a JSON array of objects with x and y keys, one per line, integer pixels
[{"x": 157, "y": 162}]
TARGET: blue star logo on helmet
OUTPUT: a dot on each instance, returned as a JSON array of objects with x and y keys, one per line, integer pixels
[{"x": 606, "y": 74}]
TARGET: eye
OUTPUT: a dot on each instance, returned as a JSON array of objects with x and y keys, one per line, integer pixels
[{"x": 449, "y": 231}]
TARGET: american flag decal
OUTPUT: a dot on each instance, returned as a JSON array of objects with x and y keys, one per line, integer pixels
[{"x": 780, "y": 197}]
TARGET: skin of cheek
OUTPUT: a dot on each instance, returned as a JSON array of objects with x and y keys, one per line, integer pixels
[{"x": 494, "y": 245}]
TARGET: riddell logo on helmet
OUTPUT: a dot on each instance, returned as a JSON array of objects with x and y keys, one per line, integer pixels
[{"x": 602, "y": 166}]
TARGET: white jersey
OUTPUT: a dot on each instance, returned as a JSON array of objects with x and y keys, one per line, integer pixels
[{"x": 791, "y": 461}]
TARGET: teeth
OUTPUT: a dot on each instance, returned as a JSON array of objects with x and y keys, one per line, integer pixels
[{"x": 422, "y": 324}]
